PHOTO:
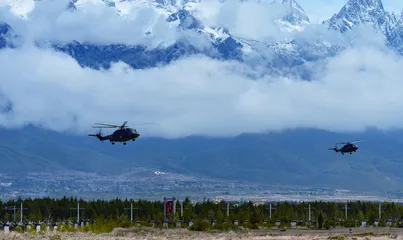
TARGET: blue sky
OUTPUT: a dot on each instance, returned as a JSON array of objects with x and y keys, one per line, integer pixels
[{"x": 319, "y": 10}]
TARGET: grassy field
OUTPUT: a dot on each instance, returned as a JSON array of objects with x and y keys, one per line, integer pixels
[{"x": 182, "y": 234}]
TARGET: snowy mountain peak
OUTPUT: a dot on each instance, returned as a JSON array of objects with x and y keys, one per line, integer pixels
[
  {"x": 356, "y": 12},
  {"x": 293, "y": 4},
  {"x": 297, "y": 15},
  {"x": 368, "y": 4}
]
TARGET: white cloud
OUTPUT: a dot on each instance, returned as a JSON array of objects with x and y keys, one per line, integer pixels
[
  {"x": 248, "y": 19},
  {"x": 95, "y": 23},
  {"x": 359, "y": 88},
  {"x": 197, "y": 95}
]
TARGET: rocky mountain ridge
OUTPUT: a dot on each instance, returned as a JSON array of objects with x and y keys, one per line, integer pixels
[{"x": 277, "y": 56}]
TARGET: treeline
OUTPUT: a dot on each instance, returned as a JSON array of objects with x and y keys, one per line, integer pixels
[{"x": 323, "y": 214}]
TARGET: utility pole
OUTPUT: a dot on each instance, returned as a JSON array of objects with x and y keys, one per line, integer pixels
[
  {"x": 309, "y": 212},
  {"x": 21, "y": 211},
  {"x": 345, "y": 210},
  {"x": 270, "y": 208},
  {"x": 380, "y": 210},
  {"x": 181, "y": 203},
  {"x": 228, "y": 208},
  {"x": 181, "y": 209},
  {"x": 131, "y": 211},
  {"x": 78, "y": 211}
]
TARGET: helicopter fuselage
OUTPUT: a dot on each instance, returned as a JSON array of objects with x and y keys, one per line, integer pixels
[
  {"x": 348, "y": 148},
  {"x": 123, "y": 135}
]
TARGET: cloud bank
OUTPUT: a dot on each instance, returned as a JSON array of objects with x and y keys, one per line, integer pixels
[
  {"x": 94, "y": 22},
  {"x": 247, "y": 20},
  {"x": 359, "y": 88}
]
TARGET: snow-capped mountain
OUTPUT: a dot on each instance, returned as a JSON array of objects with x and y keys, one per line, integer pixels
[
  {"x": 370, "y": 13},
  {"x": 286, "y": 56},
  {"x": 297, "y": 15},
  {"x": 357, "y": 12}
]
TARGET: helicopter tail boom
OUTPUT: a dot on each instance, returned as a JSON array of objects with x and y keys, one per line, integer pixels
[
  {"x": 99, "y": 136},
  {"x": 334, "y": 149}
]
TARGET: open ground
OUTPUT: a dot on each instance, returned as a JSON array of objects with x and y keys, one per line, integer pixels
[{"x": 179, "y": 234}]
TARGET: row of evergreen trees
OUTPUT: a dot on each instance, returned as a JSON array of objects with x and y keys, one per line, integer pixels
[{"x": 44, "y": 209}]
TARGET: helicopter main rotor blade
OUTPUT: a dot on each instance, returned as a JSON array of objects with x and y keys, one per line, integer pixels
[
  {"x": 107, "y": 125},
  {"x": 142, "y": 124},
  {"x": 356, "y": 141}
]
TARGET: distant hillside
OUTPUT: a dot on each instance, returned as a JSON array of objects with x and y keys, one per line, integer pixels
[{"x": 298, "y": 157}]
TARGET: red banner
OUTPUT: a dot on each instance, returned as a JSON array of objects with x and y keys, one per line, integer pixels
[{"x": 169, "y": 206}]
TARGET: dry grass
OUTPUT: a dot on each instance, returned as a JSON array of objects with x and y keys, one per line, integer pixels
[{"x": 184, "y": 234}]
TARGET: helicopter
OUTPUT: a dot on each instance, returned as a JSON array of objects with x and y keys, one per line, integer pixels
[
  {"x": 348, "y": 147},
  {"x": 123, "y": 134}
]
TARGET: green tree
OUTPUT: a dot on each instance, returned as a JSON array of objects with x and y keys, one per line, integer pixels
[
  {"x": 320, "y": 220},
  {"x": 360, "y": 216}
]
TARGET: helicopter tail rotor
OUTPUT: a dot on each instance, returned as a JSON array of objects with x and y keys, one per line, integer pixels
[{"x": 98, "y": 134}]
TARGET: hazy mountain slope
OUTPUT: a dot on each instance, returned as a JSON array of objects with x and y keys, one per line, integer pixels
[
  {"x": 34, "y": 149},
  {"x": 297, "y": 157}
]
